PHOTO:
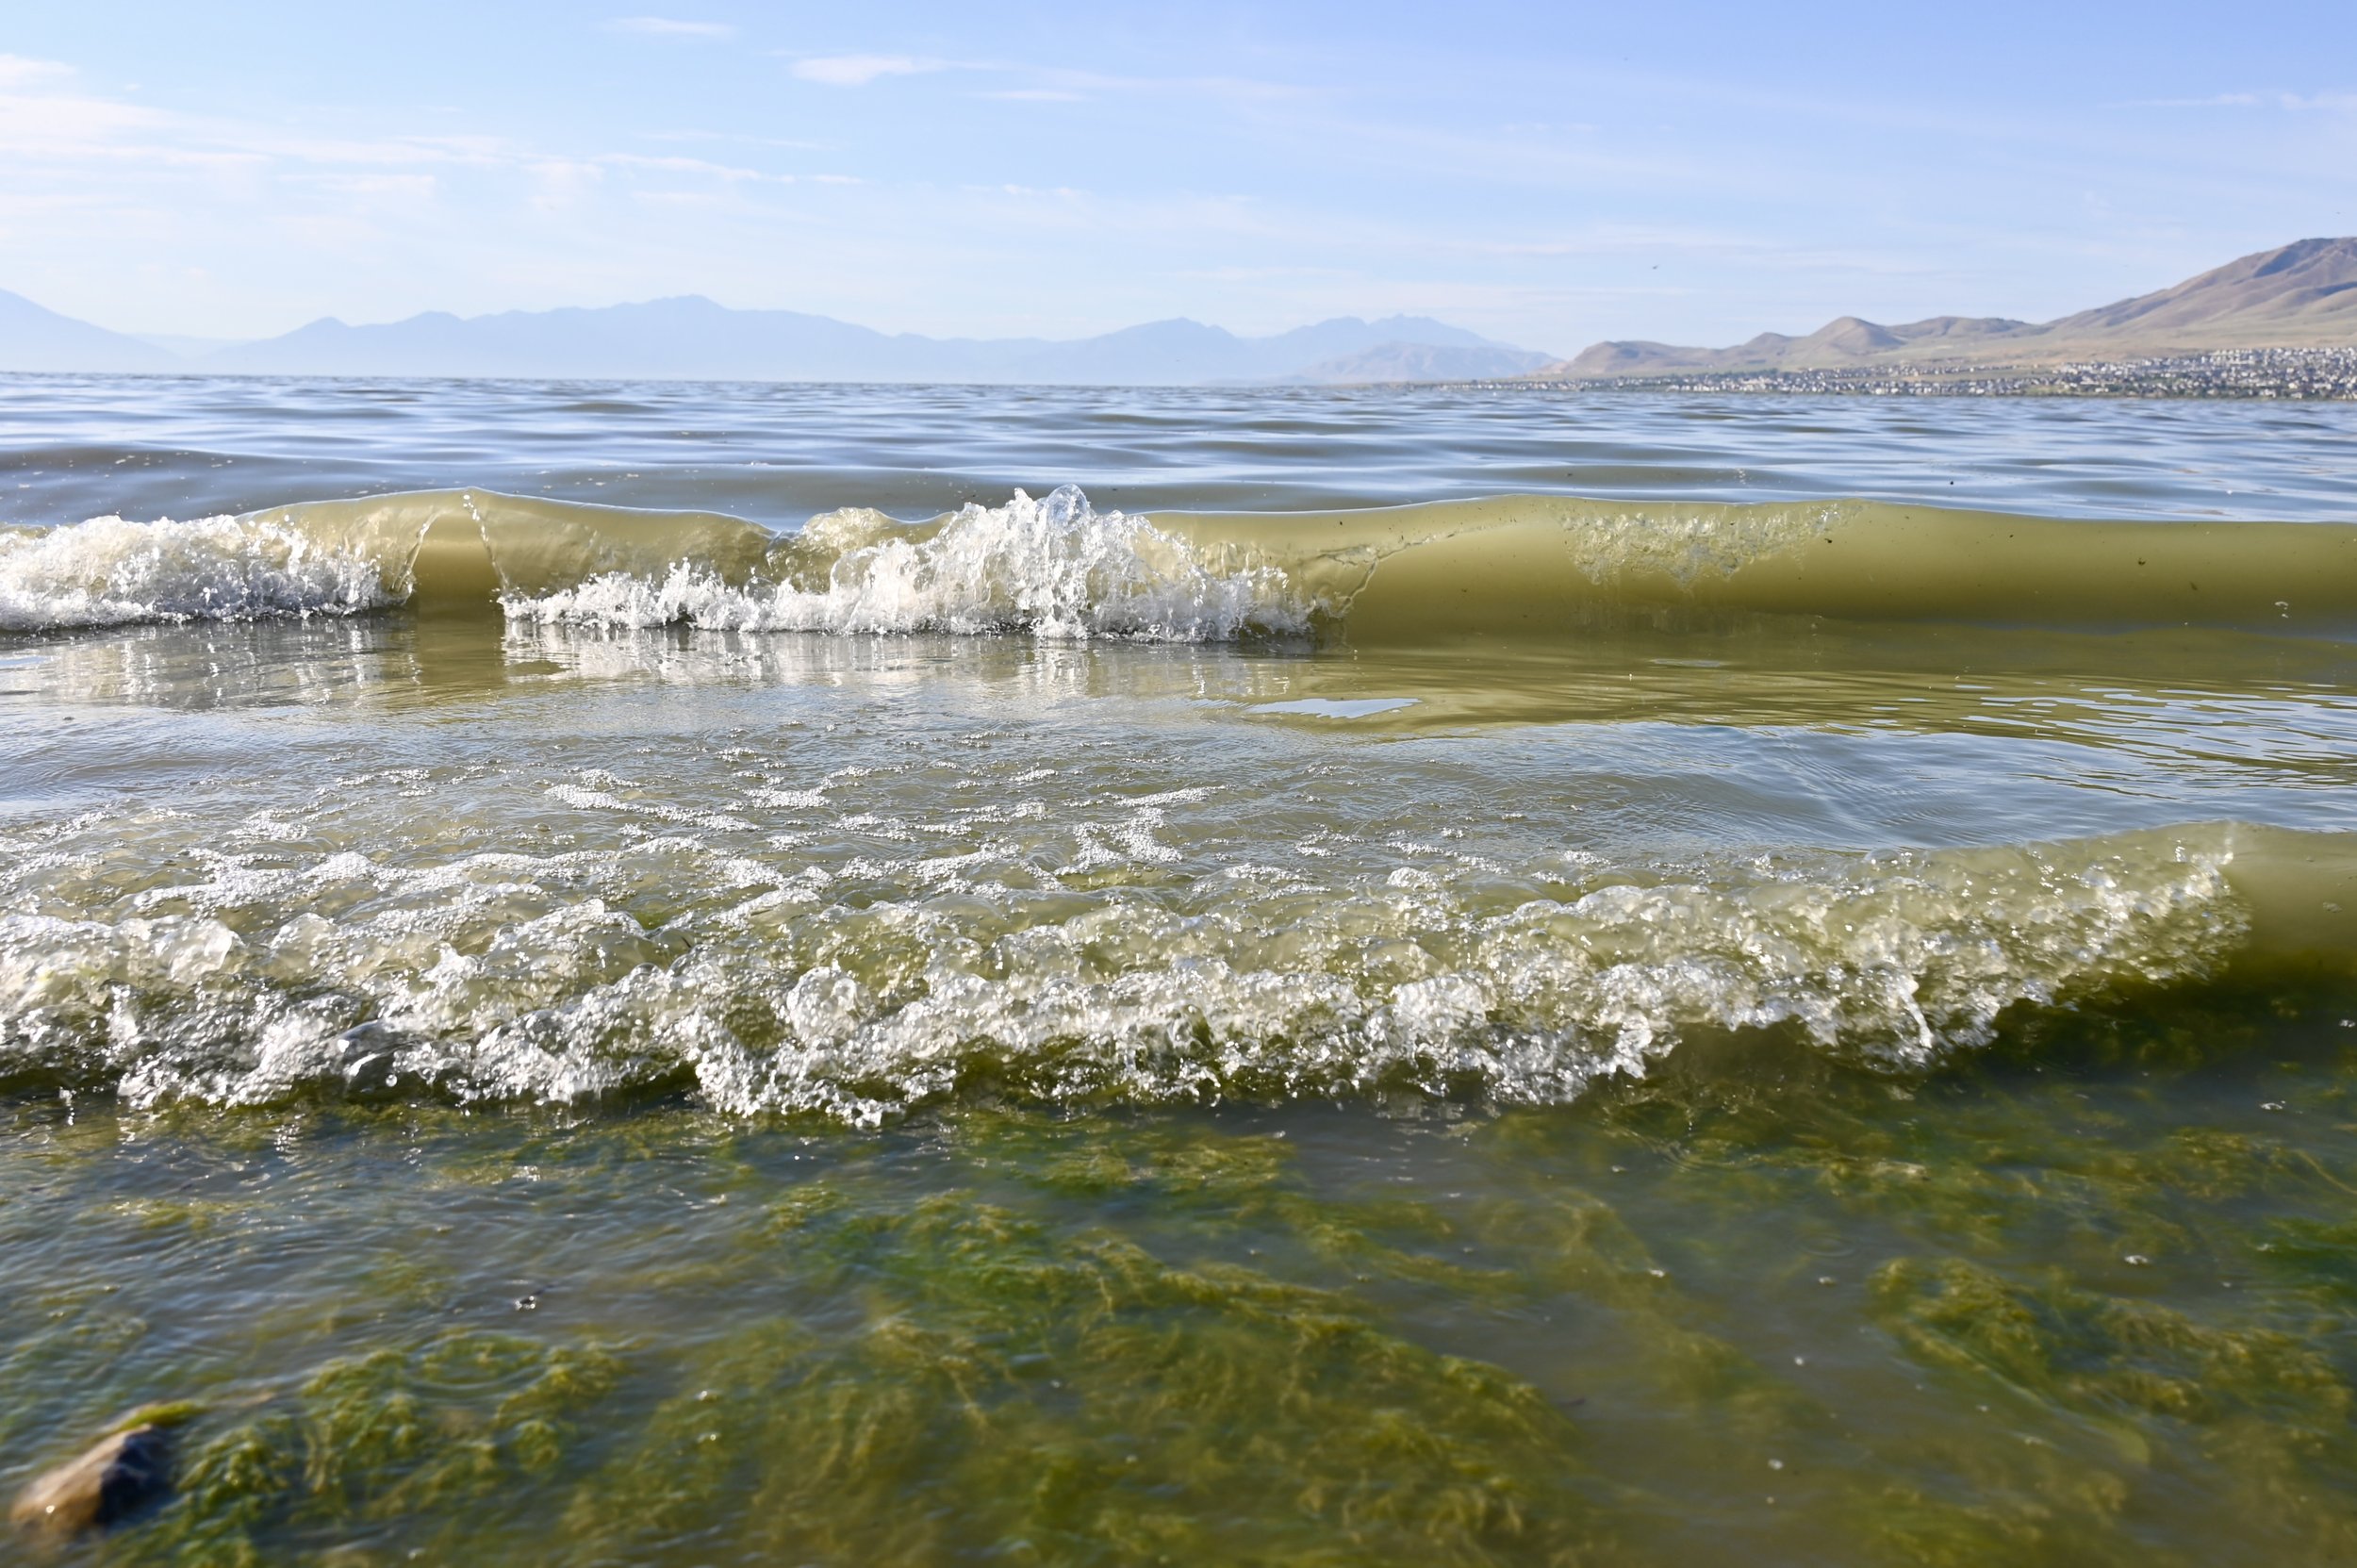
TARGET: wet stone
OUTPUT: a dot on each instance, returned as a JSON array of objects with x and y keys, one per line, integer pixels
[{"x": 114, "y": 1480}]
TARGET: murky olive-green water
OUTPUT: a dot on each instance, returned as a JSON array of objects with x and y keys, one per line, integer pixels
[
  {"x": 2087, "y": 1303},
  {"x": 1544, "y": 1031}
]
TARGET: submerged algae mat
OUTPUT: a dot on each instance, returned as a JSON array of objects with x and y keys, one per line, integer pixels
[{"x": 2086, "y": 1299}]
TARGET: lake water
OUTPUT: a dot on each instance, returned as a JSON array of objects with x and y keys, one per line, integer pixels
[{"x": 724, "y": 974}]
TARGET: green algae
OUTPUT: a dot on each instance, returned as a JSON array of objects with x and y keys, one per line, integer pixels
[
  {"x": 2257, "y": 1417},
  {"x": 418, "y": 1437},
  {"x": 2077, "y": 1309},
  {"x": 1075, "y": 1399}
]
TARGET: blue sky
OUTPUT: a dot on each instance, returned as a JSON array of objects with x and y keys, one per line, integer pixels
[{"x": 1549, "y": 174}]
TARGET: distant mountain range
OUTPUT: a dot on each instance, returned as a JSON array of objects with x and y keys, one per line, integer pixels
[
  {"x": 32, "y": 338},
  {"x": 691, "y": 338},
  {"x": 2300, "y": 295}
]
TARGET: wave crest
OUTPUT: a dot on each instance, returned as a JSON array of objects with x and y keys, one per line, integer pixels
[
  {"x": 110, "y": 571},
  {"x": 1513, "y": 566},
  {"x": 1052, "y": 568},
  {"x": 508, "y": 976}
]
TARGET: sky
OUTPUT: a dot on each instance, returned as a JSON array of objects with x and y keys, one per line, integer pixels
[{"x": 1548, "y": 174}]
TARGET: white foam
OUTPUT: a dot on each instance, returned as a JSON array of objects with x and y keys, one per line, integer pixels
[
  {"x": 109, "y": 571},
  {"x": 1053, "y": 568},
  {"x": 863, "y": 991}
]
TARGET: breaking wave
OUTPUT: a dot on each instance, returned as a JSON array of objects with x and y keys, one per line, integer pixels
[
  {"x": 1053, "y": 568},
  {"x": 111, "y": 573},
  {"x": 1057, "y": 567},
  {"x": 862, "y": 989}
]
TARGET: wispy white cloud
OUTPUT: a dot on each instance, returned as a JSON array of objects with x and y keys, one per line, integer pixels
[
  {"x": 57, "y": 141},
  {"x": 1045, "y": 84},
  {"x": 742, "y": 139},
  {"x": 2293, "y": 102},
  {"x": 2217, "y": 100},
  {"x": 18, "y": 71},
  {"x": 860, "y": 69},
  {"x": 689, "y": 166},
  {"x": 413, "y": 187},
  {"x": 669, "y": 27},
  {"x": 1060, "y": 83},
  {"x": 50, "y": 129}
]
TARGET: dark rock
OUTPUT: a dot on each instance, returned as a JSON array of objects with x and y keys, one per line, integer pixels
[{"x": 120, "y": 1477}]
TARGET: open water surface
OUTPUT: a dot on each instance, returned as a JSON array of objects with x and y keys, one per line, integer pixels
[{"x": 683, "y": 975}]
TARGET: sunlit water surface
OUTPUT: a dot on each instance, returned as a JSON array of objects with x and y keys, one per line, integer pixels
[{"x": 1193, "y": 1041}]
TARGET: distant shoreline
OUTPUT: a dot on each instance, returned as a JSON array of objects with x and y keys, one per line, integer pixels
[
  {"x": 2241, "y": 375},
  {"x": 2298, "y": 376}
]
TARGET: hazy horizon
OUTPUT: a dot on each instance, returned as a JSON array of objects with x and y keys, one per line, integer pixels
[
  {"x": 192, "y": 344},
  {"x": 1539, "y": 178}
]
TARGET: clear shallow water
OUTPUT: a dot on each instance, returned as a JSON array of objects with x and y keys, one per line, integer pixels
[{"x": 1535, "y": 1031}]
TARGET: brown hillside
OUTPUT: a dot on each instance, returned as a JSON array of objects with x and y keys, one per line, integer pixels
[
  {"x": 2275, "y": 299},
  {"x": 2299, "y": 295}
]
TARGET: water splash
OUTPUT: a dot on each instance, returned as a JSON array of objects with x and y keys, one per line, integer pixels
[
  {"x": 858, "y": 989},
  {"x": 110, "y": 573},
  {"x": 1054, "y": 568}
]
